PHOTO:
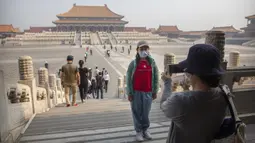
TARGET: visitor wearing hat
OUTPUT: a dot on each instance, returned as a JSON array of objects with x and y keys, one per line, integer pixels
[
  {"x": 71, "y": 78},
  {"x": 196, "y": 115},
  {"x": 142, "y": 88}
]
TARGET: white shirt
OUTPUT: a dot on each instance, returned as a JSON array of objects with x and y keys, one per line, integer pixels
[
  {"x": 96, "y": 72},
  {"x": 106, "y": 77}
]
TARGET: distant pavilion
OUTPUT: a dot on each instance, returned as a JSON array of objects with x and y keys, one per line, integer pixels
[
  {"x": 250, "y": 29},
  {"x": 90, "y": 18},
  {"x": 229, "y": 31},
  {"x": 169, "y": 31}
]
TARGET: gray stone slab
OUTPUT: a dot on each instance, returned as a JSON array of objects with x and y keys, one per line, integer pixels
[{"x": 120, "y": 135}]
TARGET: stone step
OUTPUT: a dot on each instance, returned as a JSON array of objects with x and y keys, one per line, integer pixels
[
  {"x": 94, "y": 114},
  {"x": 121, "y": 134}
]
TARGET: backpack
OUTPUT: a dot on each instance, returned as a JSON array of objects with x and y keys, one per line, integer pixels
[{"x": 232, "y": 129}]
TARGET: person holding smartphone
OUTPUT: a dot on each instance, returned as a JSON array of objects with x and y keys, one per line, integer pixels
[
  {"x": 196, "y": 115},
  {"x": 142, "y": 88}
]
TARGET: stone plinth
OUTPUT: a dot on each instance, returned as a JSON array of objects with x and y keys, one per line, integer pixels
[
  {"x": 19, "y": 93},
  {"x": 26, "y": 71},
  {"x": 41, "y": 93},
  {"x": 234, "y": 59},
  {"x": 216, "y": 38},
  {"x": 32, "y": 84},
  {"x": 43, "y": 76}
]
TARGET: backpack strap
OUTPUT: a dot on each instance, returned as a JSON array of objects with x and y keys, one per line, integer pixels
[{"x": 229, "y": 99}]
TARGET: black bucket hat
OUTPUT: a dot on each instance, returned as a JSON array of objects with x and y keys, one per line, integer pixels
[{"x": 203, "y": 59}]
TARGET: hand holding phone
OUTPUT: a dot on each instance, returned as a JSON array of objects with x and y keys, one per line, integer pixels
[{"x": 174, "y": 68}]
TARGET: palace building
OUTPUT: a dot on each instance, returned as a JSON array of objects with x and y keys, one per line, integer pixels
[
  {"x": 250, "y": 29},
  {"x": 229, "y": 31},
  {"x": 169, "y": 31},
  {"x": 89, "y": 18}
]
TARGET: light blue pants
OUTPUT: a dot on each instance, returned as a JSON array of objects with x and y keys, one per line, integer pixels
[{"x": 141, "y": 106}]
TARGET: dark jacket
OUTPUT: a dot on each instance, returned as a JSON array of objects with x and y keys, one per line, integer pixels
[
  {"x": 83, "y": 76},
  {"x": 100, "y": 81}
]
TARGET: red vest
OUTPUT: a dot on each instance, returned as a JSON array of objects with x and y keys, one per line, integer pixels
[{"x": 143, "y": 77}]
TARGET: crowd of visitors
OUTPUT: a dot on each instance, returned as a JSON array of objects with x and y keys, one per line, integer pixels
[{"x": 90, "y": 85}]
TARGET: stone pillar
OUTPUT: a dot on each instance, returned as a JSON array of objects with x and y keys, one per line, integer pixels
[
  {"x": 124, "y": 86},
  {"x": 216, "y": 38},
  {"x": 60, "y": 89},
  {"x": 53, "y": 87},
  {"x": 26, "y": 71},
  {"x": 234, "y": 59},
  {"x": 27, "y": 77},
  {"x": 43, "y": 76},
  {"x": 119, "y": 87},
  {"x": 169, "y": 58}
]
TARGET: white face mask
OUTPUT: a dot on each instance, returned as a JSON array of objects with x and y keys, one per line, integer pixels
[{"x": 143, "y": 54}]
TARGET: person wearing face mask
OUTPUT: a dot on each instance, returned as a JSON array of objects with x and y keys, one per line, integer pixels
[
  {"x": 196, "y": 115},
  {"x": 142, "y": 88}
]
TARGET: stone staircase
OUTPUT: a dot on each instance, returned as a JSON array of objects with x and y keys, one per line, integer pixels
[
  {"x": 112, "y": 39},
  {"x": 100, "y": 40},
  {"x": 77, "y": 39},
  {"x": 94, "y": 38},
  {"x": 97, "y": 121}
]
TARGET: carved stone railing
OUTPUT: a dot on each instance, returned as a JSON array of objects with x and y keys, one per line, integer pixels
[
  {"x": 21, "y": 100},
  {"x": 244, "y": 97}
]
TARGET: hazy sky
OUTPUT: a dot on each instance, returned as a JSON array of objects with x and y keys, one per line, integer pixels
[{"x": 186, "y": 14}]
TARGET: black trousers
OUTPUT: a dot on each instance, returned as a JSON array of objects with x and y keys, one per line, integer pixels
[
  {"x": 83, "y": 92},
  {"x": 106, "y": 85},
  {"x": 101, "y": 91}
]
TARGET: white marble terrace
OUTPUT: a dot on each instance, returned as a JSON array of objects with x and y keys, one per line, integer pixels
[
  {"x": 44, "y": 38},
  {"x": 134, "y": 37}
]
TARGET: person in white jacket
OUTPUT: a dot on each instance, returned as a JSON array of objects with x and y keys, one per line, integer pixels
[{"x": 106, "y": 77}]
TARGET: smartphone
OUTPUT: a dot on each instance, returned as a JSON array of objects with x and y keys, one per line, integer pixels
[{"x": 174, "y": 68}]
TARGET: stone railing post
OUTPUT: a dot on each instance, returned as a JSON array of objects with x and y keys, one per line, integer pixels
[
  {"x": 60, "y": 89},
  {"x": 26, "y": 74},
  {"x": 43, "y": 76},
  {"x": 234, "y": 59},
  {"x": 124, "y": 86},
  {"x": 43, "y": 80},
  {"x": 216, "y": 38},
  {"x": 53, "y": 87},
  {"x": 119, "y": 87},
  {"x": 169, "y": 59}
]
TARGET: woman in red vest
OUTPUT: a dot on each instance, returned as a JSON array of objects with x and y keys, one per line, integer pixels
[{"x": 142, "y": 88}]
